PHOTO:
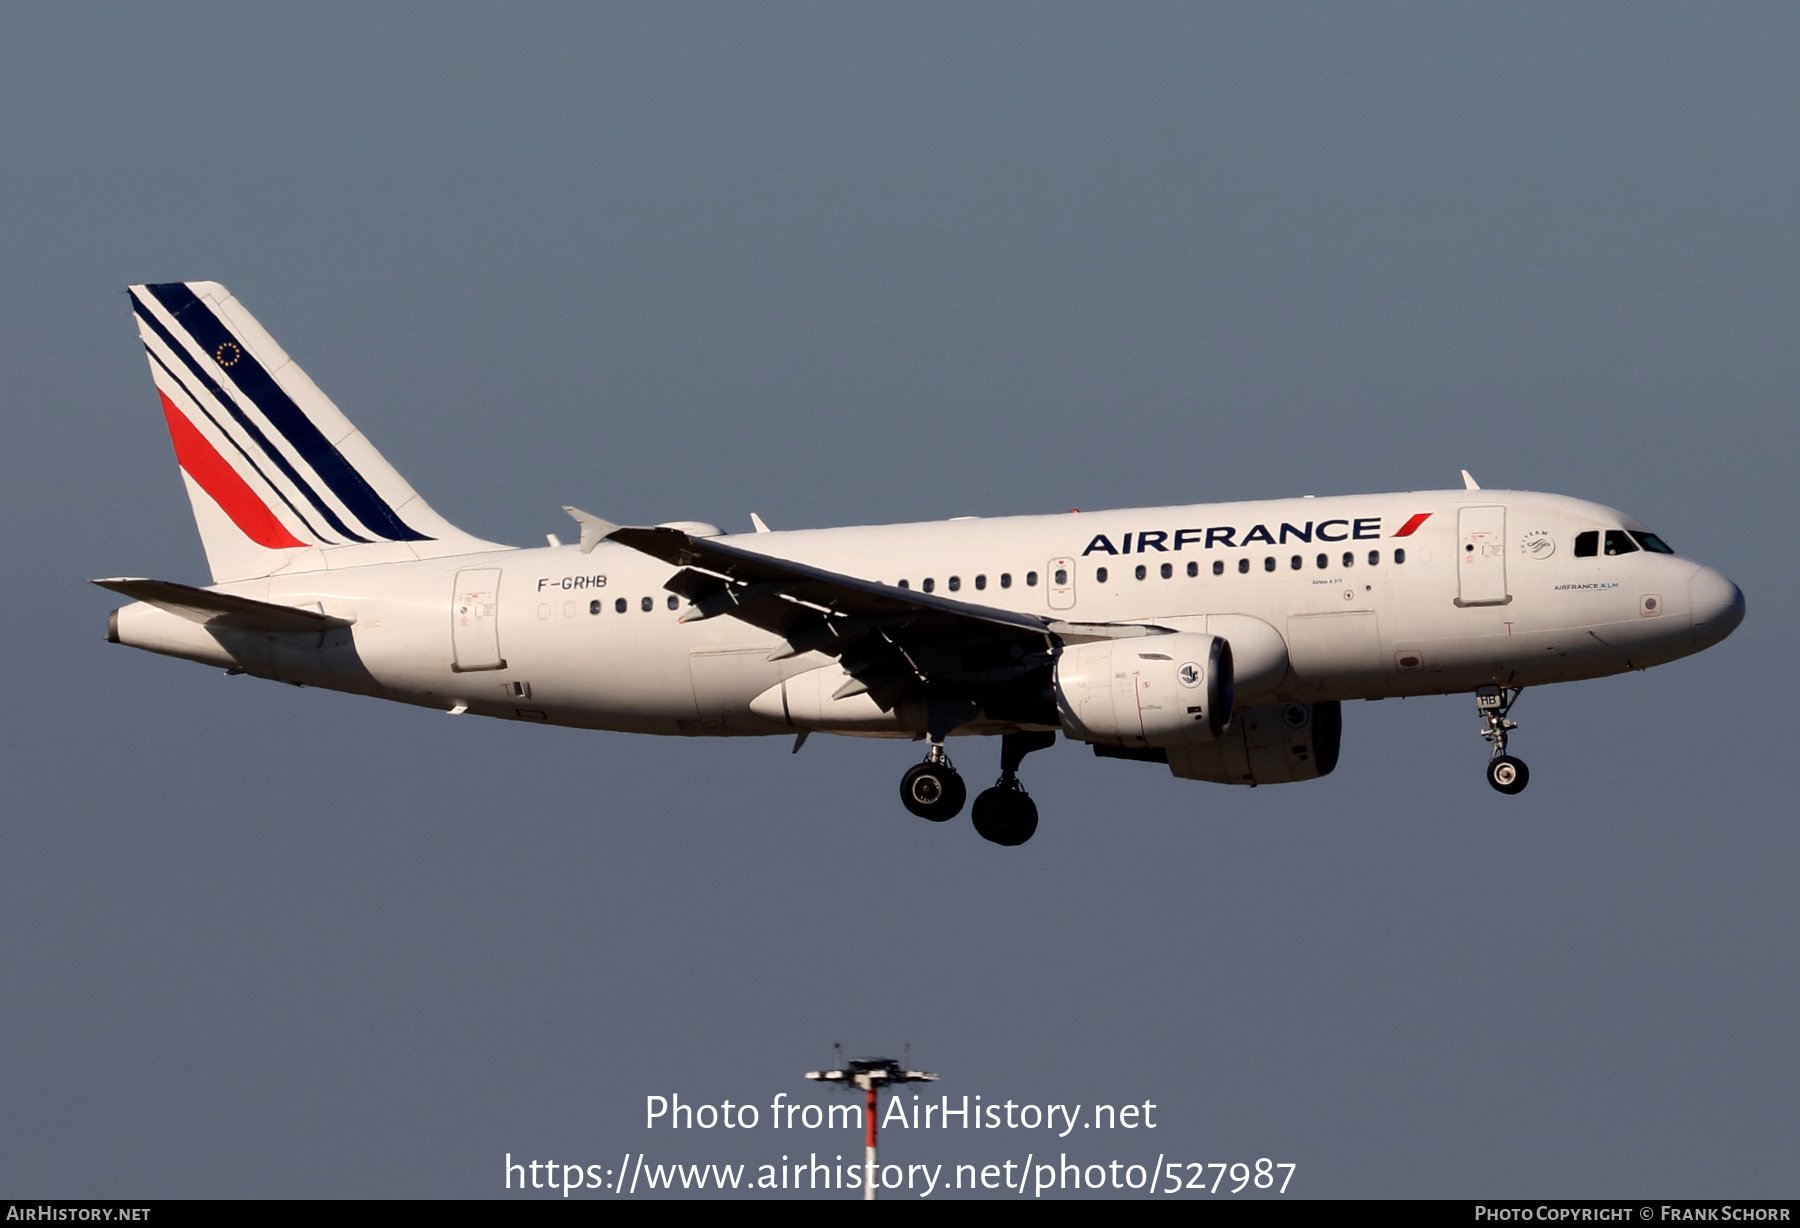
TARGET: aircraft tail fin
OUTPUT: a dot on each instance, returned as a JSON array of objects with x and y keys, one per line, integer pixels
[{"x": 279, "y": 479}]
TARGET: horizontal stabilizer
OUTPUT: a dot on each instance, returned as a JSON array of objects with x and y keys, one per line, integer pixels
[{"x": 209, "y": 608}]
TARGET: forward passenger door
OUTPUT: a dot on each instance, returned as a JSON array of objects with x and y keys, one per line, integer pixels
[{"x": 1481, "y": 556}]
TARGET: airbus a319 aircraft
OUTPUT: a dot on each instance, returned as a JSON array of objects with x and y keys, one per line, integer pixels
[{"x": 1217, "y": 639}]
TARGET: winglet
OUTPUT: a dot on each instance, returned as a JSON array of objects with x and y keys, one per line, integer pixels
[
  {"x": 1470, "y": 483},
  {"x": 593, "y": 529},
  {"x": 758, "y": 522}
]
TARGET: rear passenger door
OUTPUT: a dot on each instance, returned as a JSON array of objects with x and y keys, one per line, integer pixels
[{"x": 475, "y": 621}]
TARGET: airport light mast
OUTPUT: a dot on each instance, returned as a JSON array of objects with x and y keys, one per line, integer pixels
[{"x": 871, "y": 1074}]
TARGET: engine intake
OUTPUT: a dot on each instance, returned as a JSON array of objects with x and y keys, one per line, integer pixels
[{"x": 1159, "y": 690}]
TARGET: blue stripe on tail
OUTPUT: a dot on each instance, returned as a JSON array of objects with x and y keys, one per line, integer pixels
[{"x": 286, "y": 417}]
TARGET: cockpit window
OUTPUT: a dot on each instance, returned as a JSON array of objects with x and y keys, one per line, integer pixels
[
  {"x": 1587, "y": 545},
  {"x": 1651, "y": 542},
  {"x": 1618, "y": 541}
]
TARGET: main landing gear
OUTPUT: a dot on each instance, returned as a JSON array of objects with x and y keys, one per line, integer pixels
[
  {"x": 1004, "y": 814},
  {"x": 933, "y": 789},
  {"x": 1505, "y": 773}
]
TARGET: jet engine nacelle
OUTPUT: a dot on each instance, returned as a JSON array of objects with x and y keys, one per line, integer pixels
[
  {"x": 1267, "y": 745},
  {"x": 1154, "y": 690}
]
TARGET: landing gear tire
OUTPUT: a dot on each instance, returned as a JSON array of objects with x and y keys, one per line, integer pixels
[
  {"x": 933, "y": 791},
  {"x": 1507, "y": 774},
  {"x": 1005, "y": 815}
]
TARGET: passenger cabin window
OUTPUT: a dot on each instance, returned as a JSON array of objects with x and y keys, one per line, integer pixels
[
  {"x": 1140, "y": 571},
  {"x": 1062, "y": 576},
  {"x": 619, "y": 605},
  {"x": 1587, "y": 545},
  {"x": 1168, "y": 569},
  {"x": 1349, "y": 559},
  {"x": 1006, "y": 579},
  {"x": 929, "y": 584},
  {"x": 1400, "y": 556},
  {"x": 1031, "y": 579},
  {"x": 905, "y": 584},
  {"x": 1243, "y": 567},
  {"x": 646, "y": 604},
  {"x": 593, "y": 607},
  {"x": 1100, "y": 574},
  {"x": 980, "y": 583},
  {"x": 1218, "y": 567},
  {"x": 1651, "y": 542},
  {"x": 1193, "y": 570},
  {"x": 1618, "y": 541},
  {"x": 1269, "y": 563},
  {"x": 955, "y": 583},
  {"x": 1374, "y": 557},
  {"x": 674, "y": 603},
  {"x": 1296, "y": 562},
  {"x": 1322, "y": 562}
]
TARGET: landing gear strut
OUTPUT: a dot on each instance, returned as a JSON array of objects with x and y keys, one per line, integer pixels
[
  {"x": 933, "y": 789},
  {"x": 1505, "y": 773},
  {"x": 1005, "y": 813}
]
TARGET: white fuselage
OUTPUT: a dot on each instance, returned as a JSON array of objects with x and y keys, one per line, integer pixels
[{"x": 1490, "y": 592}]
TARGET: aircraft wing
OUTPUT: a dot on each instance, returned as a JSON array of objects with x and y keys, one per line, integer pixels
[{"x": 889, "y": 639}]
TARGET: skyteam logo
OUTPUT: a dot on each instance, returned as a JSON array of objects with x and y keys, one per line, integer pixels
[
  {"x": 1190, "y": 674},
  {"x": 1232, "y": 537}
]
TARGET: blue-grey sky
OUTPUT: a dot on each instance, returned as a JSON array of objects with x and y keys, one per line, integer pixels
[{"x": 853, "y": 263}]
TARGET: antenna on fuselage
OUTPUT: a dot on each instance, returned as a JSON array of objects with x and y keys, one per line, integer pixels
[{"x": 1470, "y": 483}]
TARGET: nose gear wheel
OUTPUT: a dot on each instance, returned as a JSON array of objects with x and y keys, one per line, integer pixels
[{"x": 1506, "y": 773}]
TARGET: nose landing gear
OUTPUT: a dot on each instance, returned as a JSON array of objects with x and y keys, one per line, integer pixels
[
  {"x": 1505, "y": 773},
  {"x": 933, "y": 789},
  {"x": 1005, "y": 813}
]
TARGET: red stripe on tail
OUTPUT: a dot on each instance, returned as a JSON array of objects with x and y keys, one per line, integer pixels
[
  {"x": 219, "y": 480},
  {"x": 1406, "y": 530}
]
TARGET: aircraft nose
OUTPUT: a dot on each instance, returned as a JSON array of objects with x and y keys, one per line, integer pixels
[{"x": 1717, "y": 605}]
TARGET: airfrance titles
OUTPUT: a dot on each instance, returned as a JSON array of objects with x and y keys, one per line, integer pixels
[{"x": 1365, "y": 528}]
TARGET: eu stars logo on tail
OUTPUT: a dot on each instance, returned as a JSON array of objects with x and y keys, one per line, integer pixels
[{"x": 277, "y": 475}]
